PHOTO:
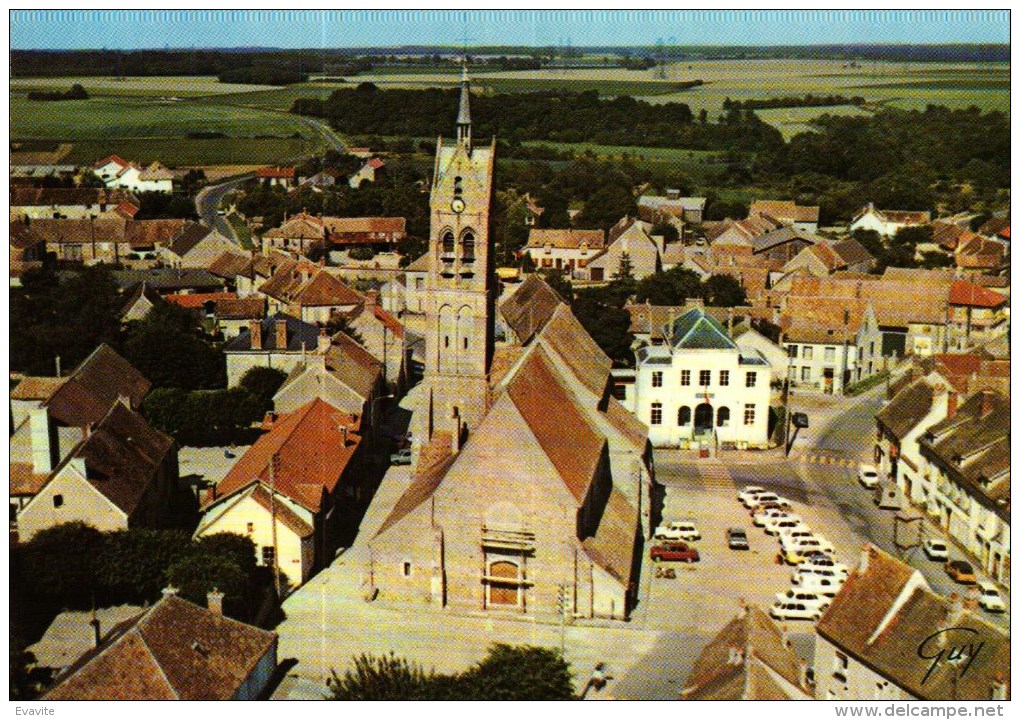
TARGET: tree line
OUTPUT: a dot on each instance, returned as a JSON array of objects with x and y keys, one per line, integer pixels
[
  {"x": 792, "y": 101},
  {"x": 77, "y": 92}
]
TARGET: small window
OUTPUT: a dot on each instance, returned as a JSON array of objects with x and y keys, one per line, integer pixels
[
  {"x": 830, "y": 354},
  {"x": 465, "y": 343},
  {"x": 657, "y": 378},
  {"x": 704, "y": 378},
  {"x": 685, "y": 377},
  {"x": 805, "y": 373},
  {"x": 749, "y": 414},
  {"x": 723, "y": 417},
  {"x": 268, "y": 554},
  {"x": 656, "y": 413},
  {"x": 251, "y": 527},
  {"x": 619, "y": 391},
  {"x": 809, "y": 352},
  {"x": 751, "y": 379},
  {"x": 724, "y": 377},
  {"x": 792, "y": 351},
  {"x": 446, "y": 341},
  {"x": 58, "y": 501},
  {"x": 406, "y": 569}
]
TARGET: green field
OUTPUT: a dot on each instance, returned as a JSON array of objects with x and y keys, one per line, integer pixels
[
  {"x": 171, "y": 86},
  {"x": 185, "y": 152},
  {"x": 791, "y": 121}
]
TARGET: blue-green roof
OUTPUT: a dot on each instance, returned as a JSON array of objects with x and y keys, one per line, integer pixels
[{"x": 696, "y": 330}]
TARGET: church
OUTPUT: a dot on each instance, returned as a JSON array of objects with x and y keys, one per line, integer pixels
[{"x": 530, "y": 486}]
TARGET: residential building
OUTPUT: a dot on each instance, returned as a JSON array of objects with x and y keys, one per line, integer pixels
[
  {"x": 630, "y": 241},
  {"x": 71, "y": 203},
  {"x": 367, "y": 172},
  {"x": 884, "y": 617},
  {"x": 116, "y": 172},
  {"x": 664, "y": 208},
  {"x": 564, "y": 250},
  {"x": 698, "y": 389},
  {"x": 383, "y": 234},
  {"x": 278, "y": 341},
  {"x": 27, "y": 251},
  {"x": 122, "y": 474},
  {"x": 383, "y": 336},
  {"x": 299, "y": 235},
  {"x": 740, "y": 232},
  {"x": 977, "y": 253},
  {"x": 301, "y": 477},
  {"x": 887, "y": 222},
  {"x": 773, "y": 247},
  {"x": 528, "y": 484},
  {"x": 175, "y": 650},
  {"x": 228, "y": 265},
  {"x": 749, "y": 659},
  {"x": 965, "y": 478},
  {"x": 139, "y": 303},
  {"x": 234, "y": 314},
  {"x": 788, "y": 212},
  {"x": 308, "y": 292},
  {"x": 750, "y": 341},
  {"x": 195, "y": 246},
  {"x": 276, "y": 175},
  {"x": 976, "y": 315},
  {"x": 168, "y": 280},
  {"x": 112, "y": 240},
  {"x": 415, "y": 277},
  {"x": 823, "y": 259}
]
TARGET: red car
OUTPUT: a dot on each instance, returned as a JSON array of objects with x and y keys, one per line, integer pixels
[{"x": 674, "y": 551}]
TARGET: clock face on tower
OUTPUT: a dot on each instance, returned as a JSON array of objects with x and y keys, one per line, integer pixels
[{"x": 457, "y": 205}]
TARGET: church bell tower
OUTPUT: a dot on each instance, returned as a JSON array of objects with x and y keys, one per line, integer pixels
[{"x": 460, "y": 288}]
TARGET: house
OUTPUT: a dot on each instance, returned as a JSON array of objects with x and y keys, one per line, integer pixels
[
  {"x": 380, "y": 233},
  {"x": 564, "y": 250},
  {"x": 976, "y": 315},
  {"x": 384, "y": 337},
  {"x": 856, "y": 258},
  {"x": 113, "y": 240},
  {"x": 139, "y": 303},
  {"x": 115, "y": 172},
  {"x": 964, "y": 477},
  {"x": 367, "y": 172},
  {"x": 175, "y": 650},
  {"x": 887, "y": 222},
  {"x": 629, "y": 238},
  {"x": 415, "y": 278},
  {"x": 301, "y": 477},
  {"x": 234, "y": 314},
  {"x": 699, "y": 389},
  {"x": 276, "y": 175},
  {"x": 72, "y": 203},
  {"x": 529, "y": 485},
  {"x": 195, "y": 246},
  {"x": 228, "y": 265},
  {"x": 309, "y": 292},
  {"x": 28, "y": 250},
  {"x": 325, "y": 179},
  {"x": 202, "y": 305},
  {"x": 665, "y": 208},
  {"x": 831, "y": 342},
  {"x": 822, "y": 258},
  {"x": 341, "y": 372},
  {"x": 255, "y": 272},
  {"x": 978, "y": 253},
  {"x": 885, "y": 617},
  {"x": 278, "y": 341},
  {"x": 299, "y": 234},
  {"x": 788, "y": 212},
  {"x": 122, "y": 474},
  {"x": 741, "y": 232},
  {"x": 750, "y": 341},
  {"x": 749, "y": 659},
  {"x": 169, "y": 280}
]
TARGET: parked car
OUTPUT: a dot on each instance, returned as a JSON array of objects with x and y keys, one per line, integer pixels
[
  {"x": 761, "y": 516},
  {"x": 749, "y": 493},
  {"x": 788, "y": 536},
  {"x": 401, "y": 457},
  {"x": 796, "y": 554},
  {"x": 867, "y": 476},
  {"x": 936, "y": 550},
  {"x": 674, "y": 552},
  {"x": 736, "y": 538},
  {"x": 765, "y": 507},
  {"x": 990, "y": 599},
  {"x": 794, "y": 611},
  {"x": 826, "y": 585},
  {"x": 775, "y": 526},
  {"x": 822, "y": 565},
  {"x": 403, "y": 439},
  {"x": 961, "y": 571},
  {"x": 798, "y": 595},
  {"x": 768, "y": 497},
  {"x": 815, "y": 543},
  {"x": 676, "y": 530}
]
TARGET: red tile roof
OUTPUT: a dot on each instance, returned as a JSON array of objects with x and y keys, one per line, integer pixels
[
  {"x": 310, "y": 450},
  {"x": 127, "y": 210},
  {"x": 785, "y": 210},
  {"x": 276, "y": 172},
  {"x": 112, "y": 159},
  {"x": 94, "y": 386},
  {"x": 375, "y": 163},
  {"x": 325, "y": 290},
  {"x": 566, "y": 239},
  {"x": 341, "y": 225},
  {"x": 964, "y": 292},
  {"x": 197, "y": 300}
]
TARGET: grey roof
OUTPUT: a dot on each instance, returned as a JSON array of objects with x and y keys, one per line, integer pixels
[
  {"x": 168, "y": 279},
  {"x": 852, "y": 252},
  {"x": 696, "y": 329},
  {"x": 783, "y": 235},
  {"x": 687, "y": 203},
  {"x": 298, "y": 332},
  {"x": 907, "y": 408},
  {"x": 464, "y": 114}
]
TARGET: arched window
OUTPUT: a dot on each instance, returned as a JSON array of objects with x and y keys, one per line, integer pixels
[
  {"x": 723, "y": 417},
  {"x": 684, "y": 416},
  {"x": 467, "y": 244},
  {"x": 449, "y": 244}
]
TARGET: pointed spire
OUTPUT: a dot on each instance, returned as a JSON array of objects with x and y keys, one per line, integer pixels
[{"x": 464, "y": 114}]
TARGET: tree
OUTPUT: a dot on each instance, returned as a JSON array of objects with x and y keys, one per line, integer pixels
[
  {"x": 672, "y": 287},
  {"x": 131, "y": 567},
  {"x": 238, "y": 548},
  {"x": 62, "y": 562},
  {"x": 723, "y": 291},
  {"x": 168, "y": 348},
  {"x": 263, "y": 382},
  {"x": 520, "y": 673},
  {"x": 556, "y": 280},
  {"x": 624, "y": 271},
  {"x": 667, "y": 230},
  {"x": 608, "y": 325},
  {"x": 197, "y": 574},
  {"x": 384, "y": 677},
  {"x": 606, "y": 207}
]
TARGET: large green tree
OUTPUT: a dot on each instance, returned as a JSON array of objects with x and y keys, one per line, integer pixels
[{"x": 169, "y": 348}]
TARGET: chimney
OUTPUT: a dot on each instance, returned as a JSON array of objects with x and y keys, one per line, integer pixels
[
  {"x": 44, "y": 441},
  {"x": 805, "y": 675},
  {"x": 256, "y": 334},
  {"x": 94, "y": 622},
  {"x": 785, "y": 629},
  {"x": 986, "y": 403},
  {"x": 865, "y": 556},
  {"x": 323, "y": 341},
  {"x": 214, "y": 600},
  {"x": 343, "y": 434},
  {"x": 281, "y": 334},
  {"x": 736, "y": 655},
  {"x": 1000, "y": 688},
  {"x": 169, "y": 591},
  {"x": 951, "y": 403},
  {"x": 970, "y": 600},
  {"x": 371, "y": 298},
  {"x": 742, "y": 612}
]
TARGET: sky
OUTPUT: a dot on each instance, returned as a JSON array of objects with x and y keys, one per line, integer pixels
[{"x": 141, "y": 29}]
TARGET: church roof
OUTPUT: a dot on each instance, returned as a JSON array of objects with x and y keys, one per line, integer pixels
[
  {"x": 464, "y": 113},
  {"x": 530, "y": 307},
  {"x": 697, "y": 330}
]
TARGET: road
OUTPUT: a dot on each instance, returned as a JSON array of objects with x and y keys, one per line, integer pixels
[{"x": 207, "y": 202}]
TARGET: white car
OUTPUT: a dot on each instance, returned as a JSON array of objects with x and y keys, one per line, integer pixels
[
  {"x": 791, "y": 610},
  {"x": 806, "y": 546},
  {"x": 768, "y": 497},
  {"x": 789, "y": 536},
  {"x": 825, "y": 585},
  {"x": 799, "y": 595},
  {"x": 936, "y": 550},
  {"x": 677, "y": 531},
  {"x": 990, "y": 599},
  {"x": 760, "y": 518},
  {"x": 867, "y": 476},
  {"x": 825, "y": 566},
  {"x": 787, "y": 524},
  {"x": 746, "y": 495}
]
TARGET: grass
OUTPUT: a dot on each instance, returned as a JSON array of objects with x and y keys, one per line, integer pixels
[
  {"x": 791, "y": 121},
  {"x": 175, "y": 86},
  {"x": 241, "y": 230},
  {"x": 866, "y": 384},
  {"x": 179, "y": 152}
]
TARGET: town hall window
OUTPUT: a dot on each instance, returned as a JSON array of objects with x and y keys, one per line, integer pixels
[
  {"x": 683, "y": 417},
  {"x": 657, "y": 378},
  {"x": 723, "y": 417},
  {"x": 704, "y": 378},
  {"x": 752, "y": 379},
  {"x": 749, "y": 414},
  {"x": 724, "y": 377},
  {"x": 656, "y": 413},
  {"x": 685, "y": 377}
]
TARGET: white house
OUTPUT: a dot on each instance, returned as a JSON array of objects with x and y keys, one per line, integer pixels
[
  {"x": 116, "y": 172},
  {"x": 564, "y": 250},
  {"x": 699, "y": 387},
  {"x": 887, "y": 222}
]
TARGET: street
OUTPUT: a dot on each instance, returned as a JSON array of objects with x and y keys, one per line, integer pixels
[{"x": 207, "y": 202}]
